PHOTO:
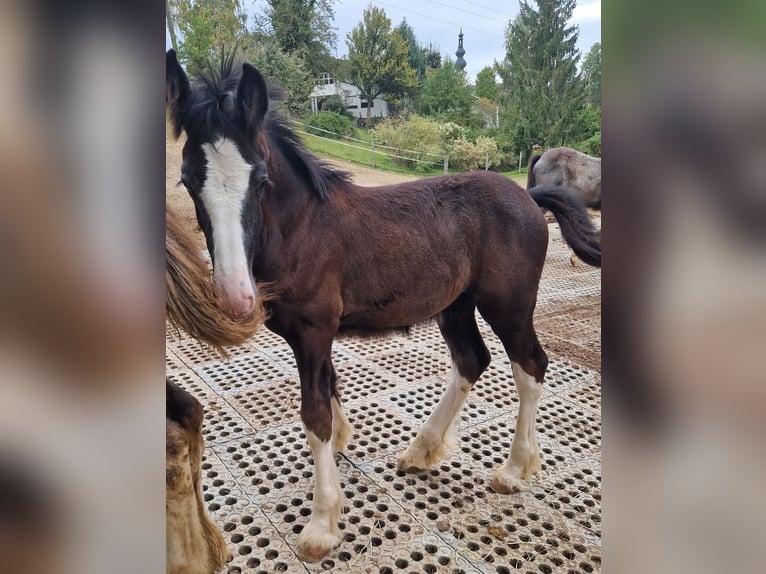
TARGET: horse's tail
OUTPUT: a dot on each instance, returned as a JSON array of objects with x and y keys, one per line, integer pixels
[
  {"x": 190, "y": 304},
  {"x": 531, "y": 170},
  {"x": 576, "y": 225}
]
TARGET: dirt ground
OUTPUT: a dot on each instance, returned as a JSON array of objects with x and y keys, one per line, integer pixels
[{"x": 559, "y": 323}]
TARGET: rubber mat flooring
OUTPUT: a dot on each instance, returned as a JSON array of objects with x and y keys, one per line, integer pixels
[{"x": 258, "y": 473}]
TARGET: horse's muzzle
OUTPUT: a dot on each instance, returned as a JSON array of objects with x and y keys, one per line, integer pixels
[{"x": 237, "y": 302}]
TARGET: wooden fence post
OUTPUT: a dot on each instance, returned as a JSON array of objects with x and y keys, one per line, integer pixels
[
  {"x": 446, "y": 164},
  {"x": 372, "y": 147}
]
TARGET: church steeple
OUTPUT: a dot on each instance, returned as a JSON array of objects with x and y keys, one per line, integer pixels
[{"x": 460, "y": 62}]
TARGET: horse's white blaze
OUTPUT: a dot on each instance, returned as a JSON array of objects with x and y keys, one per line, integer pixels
[
  {"x": 525, "y": 452},
  {"x": 223, "y": 194},
  {"x": 440, "y": 430},
  {"x": 322, "y": 532}
]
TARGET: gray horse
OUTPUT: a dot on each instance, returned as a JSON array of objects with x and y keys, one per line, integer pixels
[{"x": 569, "y": 168}]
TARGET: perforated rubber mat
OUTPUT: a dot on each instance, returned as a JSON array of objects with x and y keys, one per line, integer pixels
[{"x": 258, "y": 473}]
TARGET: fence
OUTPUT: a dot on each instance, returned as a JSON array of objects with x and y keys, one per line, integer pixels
[
  {"x": 371, "y": 147},
  {"x": 374, "y": 148}
]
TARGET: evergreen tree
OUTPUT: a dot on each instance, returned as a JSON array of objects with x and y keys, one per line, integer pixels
[
  {"x": 591, "y": 73},
  {"x": 417, "y": 57},
  {"x": 432, "y": 56},
  {"x": 486, "y": 85},
  {"x": 543, "y": 91}
]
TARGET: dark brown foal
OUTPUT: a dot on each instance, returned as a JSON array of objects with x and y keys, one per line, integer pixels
[{"x": 342, "y": 259}]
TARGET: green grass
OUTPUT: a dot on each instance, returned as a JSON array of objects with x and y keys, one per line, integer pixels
[{"x": 339, "y": 150}]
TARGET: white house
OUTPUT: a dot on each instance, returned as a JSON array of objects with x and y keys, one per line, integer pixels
[{"x": 349, "y": 95}]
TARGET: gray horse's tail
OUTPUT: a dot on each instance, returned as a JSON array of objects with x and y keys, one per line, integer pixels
[
  {"x": 531, "y": 170},
  {"x": 574, "y": 220}
]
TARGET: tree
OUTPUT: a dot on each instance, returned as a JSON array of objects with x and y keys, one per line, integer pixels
[
  {"x": 543, "y": 92},
  {"x": 591, "y": 74},
  {"x": 304, "y": 28},
  {"x": 486, "y": 86},
  {"x": 286, "y": 71},
  {"x": 171, "y": 24},
  {"x": 378, "y": 58},
  {"x": 432, "y": 56},
  {"x": 417, "y": 57},
  {"x": 208, "y": 27},
  {"x": 446, "y": 95}
]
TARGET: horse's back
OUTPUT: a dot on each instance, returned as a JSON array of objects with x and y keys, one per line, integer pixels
[
  {"x": 572, "y": 169},
  {"x": 410, "y": 250}
]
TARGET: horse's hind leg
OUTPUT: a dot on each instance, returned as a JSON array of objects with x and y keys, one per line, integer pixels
[
  {"x": 469, "y": 359},
  {"x": 529, "y": 363}
]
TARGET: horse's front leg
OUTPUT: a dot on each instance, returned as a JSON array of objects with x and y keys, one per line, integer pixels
[{"x": 326, "y": 429}]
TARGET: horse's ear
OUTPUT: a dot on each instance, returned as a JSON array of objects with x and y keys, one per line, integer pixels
[
  {"x": 252, "y": 95},
  {"x": 177, "y": 91}
]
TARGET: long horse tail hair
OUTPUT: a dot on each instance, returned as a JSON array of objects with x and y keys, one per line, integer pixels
[
  {"x": 190, "y": 304},
  {"x": 531, "y": 170},
  {"x": 576, "y": 225}
]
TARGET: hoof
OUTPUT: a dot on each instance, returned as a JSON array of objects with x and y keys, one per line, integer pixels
[
  {"x": 312, "y": 553},
  {"x": 507, "y": 484},
  {"x": 314, "y": 548},
  {"x": 422, "y": 454},
  {"x": 412, "y": 462}
]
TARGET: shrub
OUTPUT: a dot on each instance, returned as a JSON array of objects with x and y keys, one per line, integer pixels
[
  {"x": 467, "y": 155},
  {"x": 592, "y": 145},
  {"x": 414, "y": 140},
  {"x": 451, "y": 132},
  {"x": 330, "y": 125},
  {"x": 486, "y": 148},
  {"x": 335, "y": 104},
  {"x": 464, "y": 155}
]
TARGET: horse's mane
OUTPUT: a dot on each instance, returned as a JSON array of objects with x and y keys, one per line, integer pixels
[
  {"x": 211, "y": 107},
  {"x": 212, "y": 112},
  {"x": 318, "y": 175}
]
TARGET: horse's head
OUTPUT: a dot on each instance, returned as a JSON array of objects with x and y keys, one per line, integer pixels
[{"x": 223, "y": 169}]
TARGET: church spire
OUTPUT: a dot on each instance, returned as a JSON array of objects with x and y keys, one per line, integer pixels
[{"x": 460, "y": 62}]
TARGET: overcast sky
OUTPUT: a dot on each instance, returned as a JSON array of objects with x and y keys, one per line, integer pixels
[
  {"x": 483, "y": 21},
  {"x": 438, "y": 22}
]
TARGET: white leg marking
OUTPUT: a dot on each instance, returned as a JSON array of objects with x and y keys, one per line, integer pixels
[
  {"x": 439, "y": 433},
  {"x": 226, "y": 185},
  {"x": 322, "y": 532},
  {"x": 342, "y": 431},
  {"x": 524, "y": 459}
]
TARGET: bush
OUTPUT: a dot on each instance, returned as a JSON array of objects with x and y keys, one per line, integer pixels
[
  {"x": 330, "y": 125},
  {"x": 467, "y": 155},
  {"x": 487, "y": 150},
  {"x": 414, "y": 140},
  {"x": 592, "y": 145},
  {"x": 335, "y": 104},
  {"x": 464, "y": 155}
]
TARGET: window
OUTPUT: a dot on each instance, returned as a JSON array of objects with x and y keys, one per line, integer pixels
[
  {"x": 325, "y": 79},
  {"x": 364, "y": 105}
]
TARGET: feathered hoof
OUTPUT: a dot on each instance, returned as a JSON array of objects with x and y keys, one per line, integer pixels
[
  {"x": 312, "y": 547},
  {"x": 503, "y": 484}
]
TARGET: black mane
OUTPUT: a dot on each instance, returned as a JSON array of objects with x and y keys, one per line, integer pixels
[
  {"x": 318, "y": 175},
  {"x": 213, "y": 111}
]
